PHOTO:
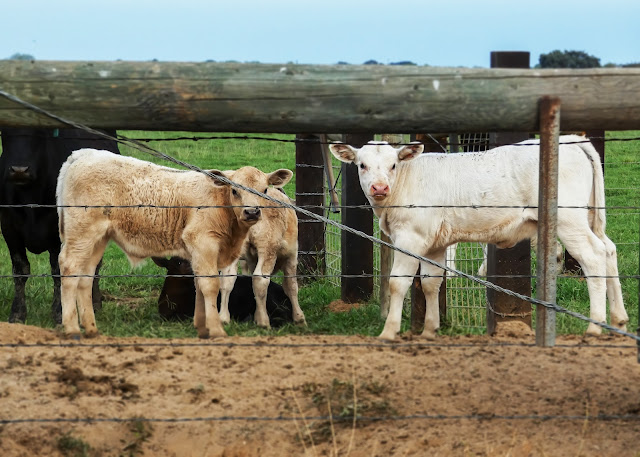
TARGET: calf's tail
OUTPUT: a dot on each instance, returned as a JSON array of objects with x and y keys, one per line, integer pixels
[
  {"x": 597, "y": 199},
  {"x": 60, "y": 196}
]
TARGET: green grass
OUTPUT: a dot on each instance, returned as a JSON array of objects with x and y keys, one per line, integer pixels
[{"x": 130, "y": 306}]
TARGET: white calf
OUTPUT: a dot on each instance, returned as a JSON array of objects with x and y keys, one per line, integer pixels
[{"x": 504, "y": 176}]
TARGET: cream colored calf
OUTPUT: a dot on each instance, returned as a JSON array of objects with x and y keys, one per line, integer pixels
[
  {"x": 150, "y": 210},
  {"x": 271, "y": 246}
]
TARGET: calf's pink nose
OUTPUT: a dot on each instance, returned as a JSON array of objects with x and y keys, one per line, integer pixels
[{"x": 379, "y": 189}]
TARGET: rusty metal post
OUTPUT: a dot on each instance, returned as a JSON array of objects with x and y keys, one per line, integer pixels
[
  {"x": 357, "y": 252},
  {"x": 547, "y": 220},
  {"x": 309, "y": 182}
]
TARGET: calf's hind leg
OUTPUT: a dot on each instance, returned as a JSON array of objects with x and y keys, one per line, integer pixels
[
  {"x": 590, "y": 253},
  {"x": 227, "y": 282},
  {"x": 290, "y": 286},
  {"x": 260, "y": 286},
  {"x": 618, "y": 313}
]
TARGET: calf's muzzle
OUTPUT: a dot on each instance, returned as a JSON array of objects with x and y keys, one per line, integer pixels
[
  {"x": 379, "y": 191},
  {"x": 252, "y": 214}
]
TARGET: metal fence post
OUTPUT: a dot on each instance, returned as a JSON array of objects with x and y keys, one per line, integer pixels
[{"x": 547, "y": 220}]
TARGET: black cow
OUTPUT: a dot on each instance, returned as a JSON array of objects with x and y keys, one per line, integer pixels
[
  {"x": 29, "y": 166},
  {"x": 178, "y": 296}
]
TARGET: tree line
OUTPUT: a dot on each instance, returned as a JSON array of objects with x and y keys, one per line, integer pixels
[{"x": 553, "y": 59}]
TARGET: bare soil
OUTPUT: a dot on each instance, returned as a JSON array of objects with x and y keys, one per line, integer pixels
[{"x": 237, "y": 397}]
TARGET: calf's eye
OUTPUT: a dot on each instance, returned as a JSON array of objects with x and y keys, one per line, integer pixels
[
  {"x": 393, "y": 167},
  {"x": 234, "y": 192},
  {"x": 362, "y": 166}
]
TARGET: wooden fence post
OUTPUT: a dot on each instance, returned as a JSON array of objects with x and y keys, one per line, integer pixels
[
  {"x": 310, "y": 195},
  {"x": 515, "y": 261},
  {"x": 357, "y": 252}
]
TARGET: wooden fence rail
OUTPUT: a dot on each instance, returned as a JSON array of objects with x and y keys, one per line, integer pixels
[{"x": 235, "y": 97}]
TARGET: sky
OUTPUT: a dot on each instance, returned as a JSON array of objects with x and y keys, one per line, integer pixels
[{"x": 446, "y": 33}]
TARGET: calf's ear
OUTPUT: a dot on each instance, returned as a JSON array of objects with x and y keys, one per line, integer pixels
[
  {"x": 225, "y": 174},
  {"x": 279, "y": 177},
  {"x": 343, "y": 152},
  {"x": 410, "y": 151},
  {"x": 161, "y": 262}
]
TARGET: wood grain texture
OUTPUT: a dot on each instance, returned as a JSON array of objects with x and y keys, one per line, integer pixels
[{"x": 314, "y": 98}]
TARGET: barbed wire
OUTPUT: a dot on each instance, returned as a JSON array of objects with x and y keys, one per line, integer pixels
[
  {"x": 143, "y": 148},
  {"x": 364, "y": 206},
  {"x": 318, "y": 140},
  {"x": 302, "y": 275}
]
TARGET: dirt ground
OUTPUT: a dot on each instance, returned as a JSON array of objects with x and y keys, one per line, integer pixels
[{"x": 274, "y": 396}]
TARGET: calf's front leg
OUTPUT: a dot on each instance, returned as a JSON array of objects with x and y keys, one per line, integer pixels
[
  {"x": 208, "y": 288},
  {"x": 404, "y": 267}
]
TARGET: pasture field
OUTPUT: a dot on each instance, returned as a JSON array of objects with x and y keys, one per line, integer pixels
[{"x": 130, "y": 306}]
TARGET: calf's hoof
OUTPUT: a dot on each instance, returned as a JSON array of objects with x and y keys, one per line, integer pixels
[
  {"x": 217, "y": 333},
  {"x": 265, "y": 325},
  {"x": 387, "y": 335},
  {"x": 429, "y": 334},
  {"x": 593, "y": 330},
  {"x": 300, "y": 321},
  {"x": 91, "y": 333},
  {"x": 203, "y": 333},
  {"x": 621, "y": 325}
]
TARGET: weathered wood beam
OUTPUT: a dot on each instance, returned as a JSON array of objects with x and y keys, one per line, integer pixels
[{"x": 314, "y": 98}]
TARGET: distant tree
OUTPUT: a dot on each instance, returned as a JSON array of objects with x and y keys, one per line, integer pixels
[
  {"x": 19, "y": 56},
  {"x": 403, "y": 62},
  {"x": 631, "y": 65},
  {"x": 371, "y": 62},
  {"x": 568, "y": 59},
  {"x": 342, "y": 62}
]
